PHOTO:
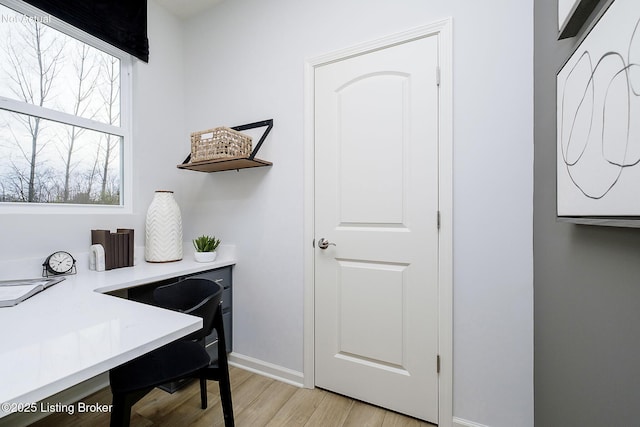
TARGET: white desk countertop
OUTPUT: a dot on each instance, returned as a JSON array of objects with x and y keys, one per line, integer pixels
[{"x": 72, "y": 332}]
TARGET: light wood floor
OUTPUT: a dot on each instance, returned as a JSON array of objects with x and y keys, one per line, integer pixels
[{"x": 257, "y": 401}]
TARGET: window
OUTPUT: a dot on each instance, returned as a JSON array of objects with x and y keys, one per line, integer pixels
[{"x": 64, "y": 113}]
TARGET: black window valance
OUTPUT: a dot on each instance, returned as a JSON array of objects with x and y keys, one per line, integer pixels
[{"x": 121, "y": 23}]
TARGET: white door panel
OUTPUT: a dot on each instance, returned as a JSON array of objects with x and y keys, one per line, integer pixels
[{"x": 376, "y": 198}]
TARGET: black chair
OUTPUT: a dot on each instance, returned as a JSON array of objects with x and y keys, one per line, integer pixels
[{"x": 184, "y": 358}]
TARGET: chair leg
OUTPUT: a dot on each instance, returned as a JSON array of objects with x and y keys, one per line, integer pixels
[
  {"x": 122, "y": 404},
  {"x": 225, "y": 397},
  {"x": 223, "y": 372},
  {"x": 120, "y": 411},
  {"x": 203, "y": 392}
]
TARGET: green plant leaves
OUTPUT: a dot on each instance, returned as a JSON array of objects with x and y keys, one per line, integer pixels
[{"x": 206, "y": 243}]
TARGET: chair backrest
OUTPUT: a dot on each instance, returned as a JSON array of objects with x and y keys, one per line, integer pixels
[{"x": 194, "y": 295}]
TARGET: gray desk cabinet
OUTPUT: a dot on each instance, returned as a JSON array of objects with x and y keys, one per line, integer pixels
[{"x": 223, "y": 277}]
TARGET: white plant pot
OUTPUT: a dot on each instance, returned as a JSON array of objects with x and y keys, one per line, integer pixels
[{"x": 205, "y": 256}]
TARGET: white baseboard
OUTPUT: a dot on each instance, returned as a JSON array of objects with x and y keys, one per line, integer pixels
[
  {"x": 267, "y": 369},
  {"x": 459, "y": 422},
  {"x": 65, "y": 397}
]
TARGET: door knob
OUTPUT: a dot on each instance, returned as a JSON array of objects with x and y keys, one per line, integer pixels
[{"x": 324, "y": 243}]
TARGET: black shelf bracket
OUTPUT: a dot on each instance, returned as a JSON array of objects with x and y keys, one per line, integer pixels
[
  {"x": 269, "y": 126},
  {"x": 264, "y": 123}
]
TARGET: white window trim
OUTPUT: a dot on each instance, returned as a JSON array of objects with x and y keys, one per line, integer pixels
[{"x": 124, "y": 130}]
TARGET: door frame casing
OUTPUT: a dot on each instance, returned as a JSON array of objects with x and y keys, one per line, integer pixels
[{"x": 443, "y": 30}]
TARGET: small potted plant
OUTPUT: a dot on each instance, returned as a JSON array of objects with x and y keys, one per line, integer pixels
[{"x": 205, "y": 248}]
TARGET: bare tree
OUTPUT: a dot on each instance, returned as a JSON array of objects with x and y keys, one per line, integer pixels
[
  {"x": 111, "y": 97},
  {"x": 44, "y": 186},
  {"x": 91, "y": 174},
  {"x": 33, "y": 71},
  {"x": 17, "y": 181},
  {"x": 86, "y": 83}
]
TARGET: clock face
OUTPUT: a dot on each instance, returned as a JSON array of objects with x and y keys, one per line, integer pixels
[{"x": 60, "y": 262}]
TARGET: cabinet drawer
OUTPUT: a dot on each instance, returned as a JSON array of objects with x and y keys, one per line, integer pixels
[
  {"x": 221, "y": 276},
  {"x": 213, "y": 337},
  {"x": 226, "y": 319},
  {"x": 226, "y": 300}
]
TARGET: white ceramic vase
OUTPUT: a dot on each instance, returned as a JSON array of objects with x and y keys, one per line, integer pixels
[
  {"x": 163, "y": 229},
  {"x": 205, "y": 256}
]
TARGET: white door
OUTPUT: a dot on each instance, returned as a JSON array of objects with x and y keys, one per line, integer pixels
[{"x": 376, "y": 202}]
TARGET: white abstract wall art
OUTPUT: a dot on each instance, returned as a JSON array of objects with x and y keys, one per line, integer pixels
[{"x": 598, "y": 119}]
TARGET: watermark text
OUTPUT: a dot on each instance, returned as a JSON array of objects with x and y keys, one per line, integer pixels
[
  {"x": 18, "y": 18},
  {"x": 55, "y": 408}
]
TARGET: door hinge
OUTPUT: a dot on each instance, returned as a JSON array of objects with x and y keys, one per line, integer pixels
[
  {"x": 438, "y": 363},
  {"x": 438, "y": 220},
  {"x": 313, "y": 243},
  {"x": 438, "y": 76}
]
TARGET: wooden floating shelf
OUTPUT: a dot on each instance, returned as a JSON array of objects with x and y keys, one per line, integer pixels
[
  {"x": 231, "y": 163},
  {"x": 219, "y": 165}
]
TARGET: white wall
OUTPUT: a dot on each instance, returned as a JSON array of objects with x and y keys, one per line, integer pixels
[{"x": 244, "y": 62}]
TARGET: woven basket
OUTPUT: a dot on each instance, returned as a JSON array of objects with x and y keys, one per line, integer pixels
[{"x": 219, "y": 143}]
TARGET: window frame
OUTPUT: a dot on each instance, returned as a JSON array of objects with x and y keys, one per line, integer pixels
[{"x": 124, "y": 130}]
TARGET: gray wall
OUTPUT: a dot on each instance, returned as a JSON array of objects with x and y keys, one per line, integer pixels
[{"x": 586, "y": 282}]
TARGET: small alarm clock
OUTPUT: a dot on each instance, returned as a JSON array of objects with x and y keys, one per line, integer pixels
[{"x": 58, "y": 263}]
